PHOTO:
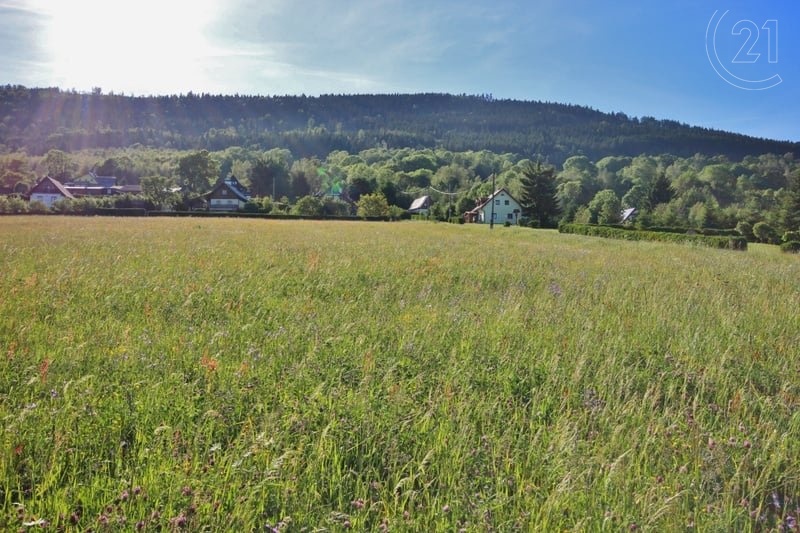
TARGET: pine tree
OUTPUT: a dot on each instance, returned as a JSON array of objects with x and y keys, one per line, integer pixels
[
  {"x": 662, "y": 191},
  {"x": 538, "y": 199}
]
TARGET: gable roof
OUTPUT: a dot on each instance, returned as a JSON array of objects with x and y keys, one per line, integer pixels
[
  {"x": 233, "y": 185},
  {"x": 627, "y": 214},
  {"x": 54, "y": 183},
  {"x": 485, "y": 202},
  {"x": 422, "y": 202}
]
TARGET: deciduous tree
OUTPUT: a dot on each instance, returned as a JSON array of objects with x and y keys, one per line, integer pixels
[
  {"x": 196, "y": 172},
  {"x": 373, "y": 205}
]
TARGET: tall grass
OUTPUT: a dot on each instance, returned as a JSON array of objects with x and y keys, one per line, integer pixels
[{"x": 248, "y": 374}]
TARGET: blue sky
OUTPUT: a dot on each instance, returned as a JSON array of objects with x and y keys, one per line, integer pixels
[{"x": 715, "y": 64}]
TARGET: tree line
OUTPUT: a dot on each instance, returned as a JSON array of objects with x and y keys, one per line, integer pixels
[{"x": 667, "y": 190}]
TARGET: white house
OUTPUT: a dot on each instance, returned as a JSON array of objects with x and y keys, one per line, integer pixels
[
  {"x": 500, "y": 205},
  {"x": 227, "y": 195},
  {"x": 49, "y": 191}
]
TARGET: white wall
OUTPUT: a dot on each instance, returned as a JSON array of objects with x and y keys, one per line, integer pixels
[
  {"x": 504, "y": 206},
  {"x": 47, "y": 199}
]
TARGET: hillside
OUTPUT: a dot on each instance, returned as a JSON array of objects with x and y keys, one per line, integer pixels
[{"x": 41, "y": 119}]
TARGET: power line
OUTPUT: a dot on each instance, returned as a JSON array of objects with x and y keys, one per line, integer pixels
[{"x": 442, "y": 192}]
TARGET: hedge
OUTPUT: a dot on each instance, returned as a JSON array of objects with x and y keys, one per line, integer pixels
[
  {"x": 272, "y": 216},
  {"x": 732, "y": 232},
  {"x": 725, "y": 243},
  {"x": 791, "y": 247}
]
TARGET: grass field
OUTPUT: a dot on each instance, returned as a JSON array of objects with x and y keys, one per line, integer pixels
[{"x": 246, "y": 375}]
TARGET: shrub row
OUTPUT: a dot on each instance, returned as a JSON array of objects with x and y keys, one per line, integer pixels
[
  {"x": 791, "y": 247},
  {"x": 271, "y": 216},
  {"x": 726, "y": 243},
  {"x": 711, "y": 232}
]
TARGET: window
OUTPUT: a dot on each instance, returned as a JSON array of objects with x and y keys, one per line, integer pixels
[
  {"x": 497, "y": 202},
  {"x": 224, "y": 192},
  {"x": 510, "y": 216},
  {"x": 494, "y": 216},
  {"x": 506, "y": 202}
]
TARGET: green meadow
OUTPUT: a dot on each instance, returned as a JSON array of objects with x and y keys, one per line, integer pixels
[{"x": 222, "y": 374}]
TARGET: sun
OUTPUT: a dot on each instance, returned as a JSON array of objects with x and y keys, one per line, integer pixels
[{"x": 142, "y": 47}]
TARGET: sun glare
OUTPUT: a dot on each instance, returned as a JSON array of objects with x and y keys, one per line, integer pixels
[{"x": 142, "y": 47}]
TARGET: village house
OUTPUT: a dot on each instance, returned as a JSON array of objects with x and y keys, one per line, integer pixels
[
  {"x": 421, "y": 206},
  {"x": 227, "y": 195},
  {"x": 49, "y": 191},
  {"x": 500, "y": 205}
]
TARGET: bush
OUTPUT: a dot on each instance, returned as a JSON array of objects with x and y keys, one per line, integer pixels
[
  {"x": 765, "y": 233},
  {"x": 17, "y": 206},
  {"x": 791, "y": 247},
  {"x": 790, "y": 236},
  {"x": 309, "y": 206},
  {"x": 37, "y": 207},
  {"x": 745, "y": 229},
  {"x": 372, "y": 205},
  {"x": 252, "y": 207},
  {"x": 726, "y": 243}
]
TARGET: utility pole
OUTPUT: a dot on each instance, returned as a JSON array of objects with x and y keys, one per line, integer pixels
[
  {"x": 449, "y": 202},
  {"x": 491, "y": 221}
]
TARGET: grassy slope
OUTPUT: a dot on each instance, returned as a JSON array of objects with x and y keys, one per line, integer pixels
[{"x": 236, "y": 373}]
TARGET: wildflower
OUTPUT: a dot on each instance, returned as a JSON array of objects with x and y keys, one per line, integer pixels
[
  {"x": 186, "y": 491},
  {"x": 44, "y": 367},
  {"x": 209, "y": 363},
  {"x": 53, "y": 393},
  {"x": 358, "y": 504},
  {"x": 137, "y": 490},
  {"x": 178, "y": 521},
  {"x": 103, "y": 519},
  {"x": 747, "y": 444},
  {"x": 124, "y": 495},
  {"x": 555, "y": 289},
  {"x": 140, "y": 525},
  {"x": 446, "y": 508}
]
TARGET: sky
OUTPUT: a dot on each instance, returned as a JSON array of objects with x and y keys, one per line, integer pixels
[{"x": 723, "y": 64}]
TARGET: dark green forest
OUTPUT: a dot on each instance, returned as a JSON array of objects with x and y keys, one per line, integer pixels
[
  {"x": 42, "y": 119},
  {"x": 294, "y": 151}
]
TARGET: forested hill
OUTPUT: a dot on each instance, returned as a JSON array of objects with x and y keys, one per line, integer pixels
[{"x": 41, "y": 119}]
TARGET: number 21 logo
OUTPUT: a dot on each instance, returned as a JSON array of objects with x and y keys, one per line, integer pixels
[{"x": 746, "y": 55}]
